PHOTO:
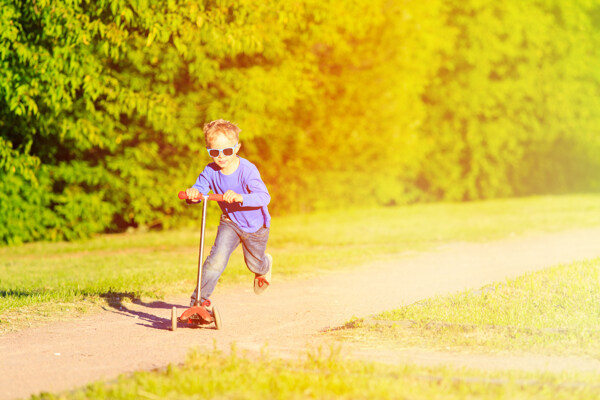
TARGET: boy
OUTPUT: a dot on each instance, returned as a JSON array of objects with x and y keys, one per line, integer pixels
[{"x": 245, "y": 218}]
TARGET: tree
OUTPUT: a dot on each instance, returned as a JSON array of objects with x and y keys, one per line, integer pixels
[{"x": 514, "y": 106}]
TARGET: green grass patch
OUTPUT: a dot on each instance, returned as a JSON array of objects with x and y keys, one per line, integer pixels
[
  {"x": 156, "y": 264},
  {"x": 325, "y": 375},
  {"x": 554, "y": 311}
]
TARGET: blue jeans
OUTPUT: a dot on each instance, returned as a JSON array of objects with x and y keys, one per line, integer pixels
[{"x": 229, "y": 236}]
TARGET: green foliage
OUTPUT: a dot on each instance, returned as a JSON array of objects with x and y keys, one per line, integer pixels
[
  {"x": 357, "y": 137},
  {"x": 515, "y": 109},
  {"x": 374, "y": 102}
]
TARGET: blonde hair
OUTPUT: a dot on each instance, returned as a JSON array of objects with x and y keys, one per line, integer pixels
[{"x": 221, "y": 127}]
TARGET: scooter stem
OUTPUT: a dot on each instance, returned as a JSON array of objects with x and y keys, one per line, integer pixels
[{"x": 201, "y": 250}]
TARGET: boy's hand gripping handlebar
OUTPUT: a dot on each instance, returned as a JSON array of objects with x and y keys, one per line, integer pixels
[{"x": 211, "y": 196}]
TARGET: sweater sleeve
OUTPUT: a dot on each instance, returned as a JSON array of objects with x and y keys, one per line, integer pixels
[
  {"x": 258, "y": 194},
  {"x": 203, "y": 182}
]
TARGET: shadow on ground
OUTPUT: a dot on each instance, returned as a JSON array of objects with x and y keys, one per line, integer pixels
[{"x": 121, "y": 304}]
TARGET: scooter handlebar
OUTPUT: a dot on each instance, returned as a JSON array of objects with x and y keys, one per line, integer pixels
[{"x": 211, "y": 196}]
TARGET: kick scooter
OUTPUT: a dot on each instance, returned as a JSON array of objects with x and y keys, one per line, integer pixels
[{"x": 197, "y": 314}]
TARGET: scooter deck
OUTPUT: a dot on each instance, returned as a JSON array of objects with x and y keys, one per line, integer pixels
[{"x": 196, "y": 315}]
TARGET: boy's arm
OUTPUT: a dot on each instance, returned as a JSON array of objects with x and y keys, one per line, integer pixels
[
  {"x": 202, "y": 183},
  {"x": 258, "y": 194}
]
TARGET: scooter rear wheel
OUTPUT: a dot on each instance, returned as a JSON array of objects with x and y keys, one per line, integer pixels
[{"x": 217, "y": 318}]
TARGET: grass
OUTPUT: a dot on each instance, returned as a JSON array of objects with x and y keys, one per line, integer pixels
[
  {"x": 553, "y": 311},
  {"x": 55, "y": 280},
  {"x": 323, "y": 374}
]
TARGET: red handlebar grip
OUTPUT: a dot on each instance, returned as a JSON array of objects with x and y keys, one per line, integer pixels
[
  {"x": 215, "y": 197},
  {"x": 212, "y": 196}
]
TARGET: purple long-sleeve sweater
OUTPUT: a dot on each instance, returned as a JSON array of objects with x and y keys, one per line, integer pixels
[{"x": 253, "y": 214}]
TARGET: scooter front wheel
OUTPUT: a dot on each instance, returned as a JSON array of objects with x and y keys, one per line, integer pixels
[{"x": 174, "y": 319}]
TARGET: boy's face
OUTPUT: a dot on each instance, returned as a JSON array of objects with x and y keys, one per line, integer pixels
[{"x": 223, "y": 142}]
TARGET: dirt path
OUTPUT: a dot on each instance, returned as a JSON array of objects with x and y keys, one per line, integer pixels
[{"x": 286, "y": 319}]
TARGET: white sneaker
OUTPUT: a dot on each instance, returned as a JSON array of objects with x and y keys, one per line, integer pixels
[{"x": 262, "y": 282}]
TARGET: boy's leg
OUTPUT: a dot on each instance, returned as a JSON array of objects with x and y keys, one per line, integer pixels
[
  {"x": 257, "y": 261},
  {"x": 225, "y": 243}
]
